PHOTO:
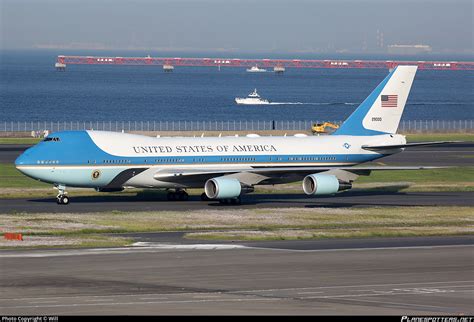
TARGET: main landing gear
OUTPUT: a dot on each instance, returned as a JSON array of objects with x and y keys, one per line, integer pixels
[
  {"x": 180, "y": 195},
  {"x": 229, "y": 201},
  {"x": 62, "y": 198}
]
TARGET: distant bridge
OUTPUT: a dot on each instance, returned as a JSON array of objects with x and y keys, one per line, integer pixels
[{"x": 278, "y": 65}]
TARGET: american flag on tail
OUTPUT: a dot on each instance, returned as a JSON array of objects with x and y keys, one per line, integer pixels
[{"x": 389, "y": 100}]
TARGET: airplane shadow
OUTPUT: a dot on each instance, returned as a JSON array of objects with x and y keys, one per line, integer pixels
[{"x": 371, "y": 197}]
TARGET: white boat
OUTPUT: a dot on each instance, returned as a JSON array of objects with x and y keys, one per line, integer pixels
[
  {"x": 255, "y": 69},
  {"x": 252, "y": 99}
]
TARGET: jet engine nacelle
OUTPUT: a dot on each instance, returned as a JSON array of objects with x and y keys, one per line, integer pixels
[
  {"x": 224, "y": 188},
  {"x": 323, "y": 184}
]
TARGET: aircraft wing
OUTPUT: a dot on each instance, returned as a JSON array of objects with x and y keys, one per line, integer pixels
[
  {"x": 403, "y": 146},
  {"x": 254, "y": 175}
]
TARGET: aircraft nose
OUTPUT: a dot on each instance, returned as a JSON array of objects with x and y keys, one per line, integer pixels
[{"x": 23, "y": 159}]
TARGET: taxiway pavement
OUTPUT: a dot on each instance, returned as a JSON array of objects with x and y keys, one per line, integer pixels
[
  {"x": 349, "y": 199},
  {"x": 166, "y": 278}
]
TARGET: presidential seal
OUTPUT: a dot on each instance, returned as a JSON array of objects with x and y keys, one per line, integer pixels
[{"x": 95, "y": 174}]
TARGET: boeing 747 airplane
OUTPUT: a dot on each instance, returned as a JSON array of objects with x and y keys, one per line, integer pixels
[{"x": 227, "y": 167}]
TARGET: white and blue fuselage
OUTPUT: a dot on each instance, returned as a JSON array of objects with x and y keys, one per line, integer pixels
[{"x": 95, "y": 158}]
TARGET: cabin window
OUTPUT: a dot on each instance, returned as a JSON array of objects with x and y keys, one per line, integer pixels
[{"x": 50, "y": 139}]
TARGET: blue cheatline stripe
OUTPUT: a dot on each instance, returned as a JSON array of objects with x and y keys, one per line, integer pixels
[{"x": 353, "y": 124}]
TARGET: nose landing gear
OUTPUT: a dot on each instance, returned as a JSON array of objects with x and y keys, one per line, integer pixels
[{"x": 62, "y": 199}]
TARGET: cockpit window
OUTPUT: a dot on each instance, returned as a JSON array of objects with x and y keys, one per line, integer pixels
[{"x": 51, "y": 139}]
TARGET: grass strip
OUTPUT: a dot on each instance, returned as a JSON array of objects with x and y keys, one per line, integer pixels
[{"x": 243, "y": 224}]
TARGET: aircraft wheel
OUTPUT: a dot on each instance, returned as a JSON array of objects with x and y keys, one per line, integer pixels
[
  {"x": 236, "y": 201},
  {"x": 62, "y": 200},
  {"x": 182, "y": 195},
  {"x": 231, "y": 201}
]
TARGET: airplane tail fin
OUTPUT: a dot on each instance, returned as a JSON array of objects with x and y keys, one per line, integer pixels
[{"x": 381, "y": 111}]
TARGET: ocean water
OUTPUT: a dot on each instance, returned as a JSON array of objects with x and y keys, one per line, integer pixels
[{"x": 32, "y": 90}]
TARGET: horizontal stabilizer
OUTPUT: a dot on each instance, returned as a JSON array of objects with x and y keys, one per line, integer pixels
[{"x": 403, "y": 146}]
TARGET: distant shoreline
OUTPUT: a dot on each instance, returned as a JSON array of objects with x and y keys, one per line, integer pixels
[{"x": 216, "y": 53}]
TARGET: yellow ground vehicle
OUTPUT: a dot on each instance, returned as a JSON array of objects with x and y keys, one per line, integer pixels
[{"x": 321, "y": 127}]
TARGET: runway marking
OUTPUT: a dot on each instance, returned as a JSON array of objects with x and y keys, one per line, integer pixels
[
  {"x": 152, "y": 295},
  {"x": 251, "y": 295},
  {"x": 184, "y": 301},
  {"x": 99, "y": 300},
  {"x": 135, "y": 303},
  {"x": 188, "y": 246},
  {"x": 202, "y": 247},
  {"x": 372, "y": 293},
  {"x": 207, "y": 296},
  {"x": 423, "y": 290},
  {"x": 123, "y": 250},
  {"x": 362, "y": 249},
  {"x": 42, "y": 302},
  {"x": 255, "y": 291},
  {"x": 457, "y": 286},
  {"x": 396, "y": 303},
  {"x": 381, "y": 293},
  {"x": 365, "y": 248},
  {"x": 350, "y": 286}
]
